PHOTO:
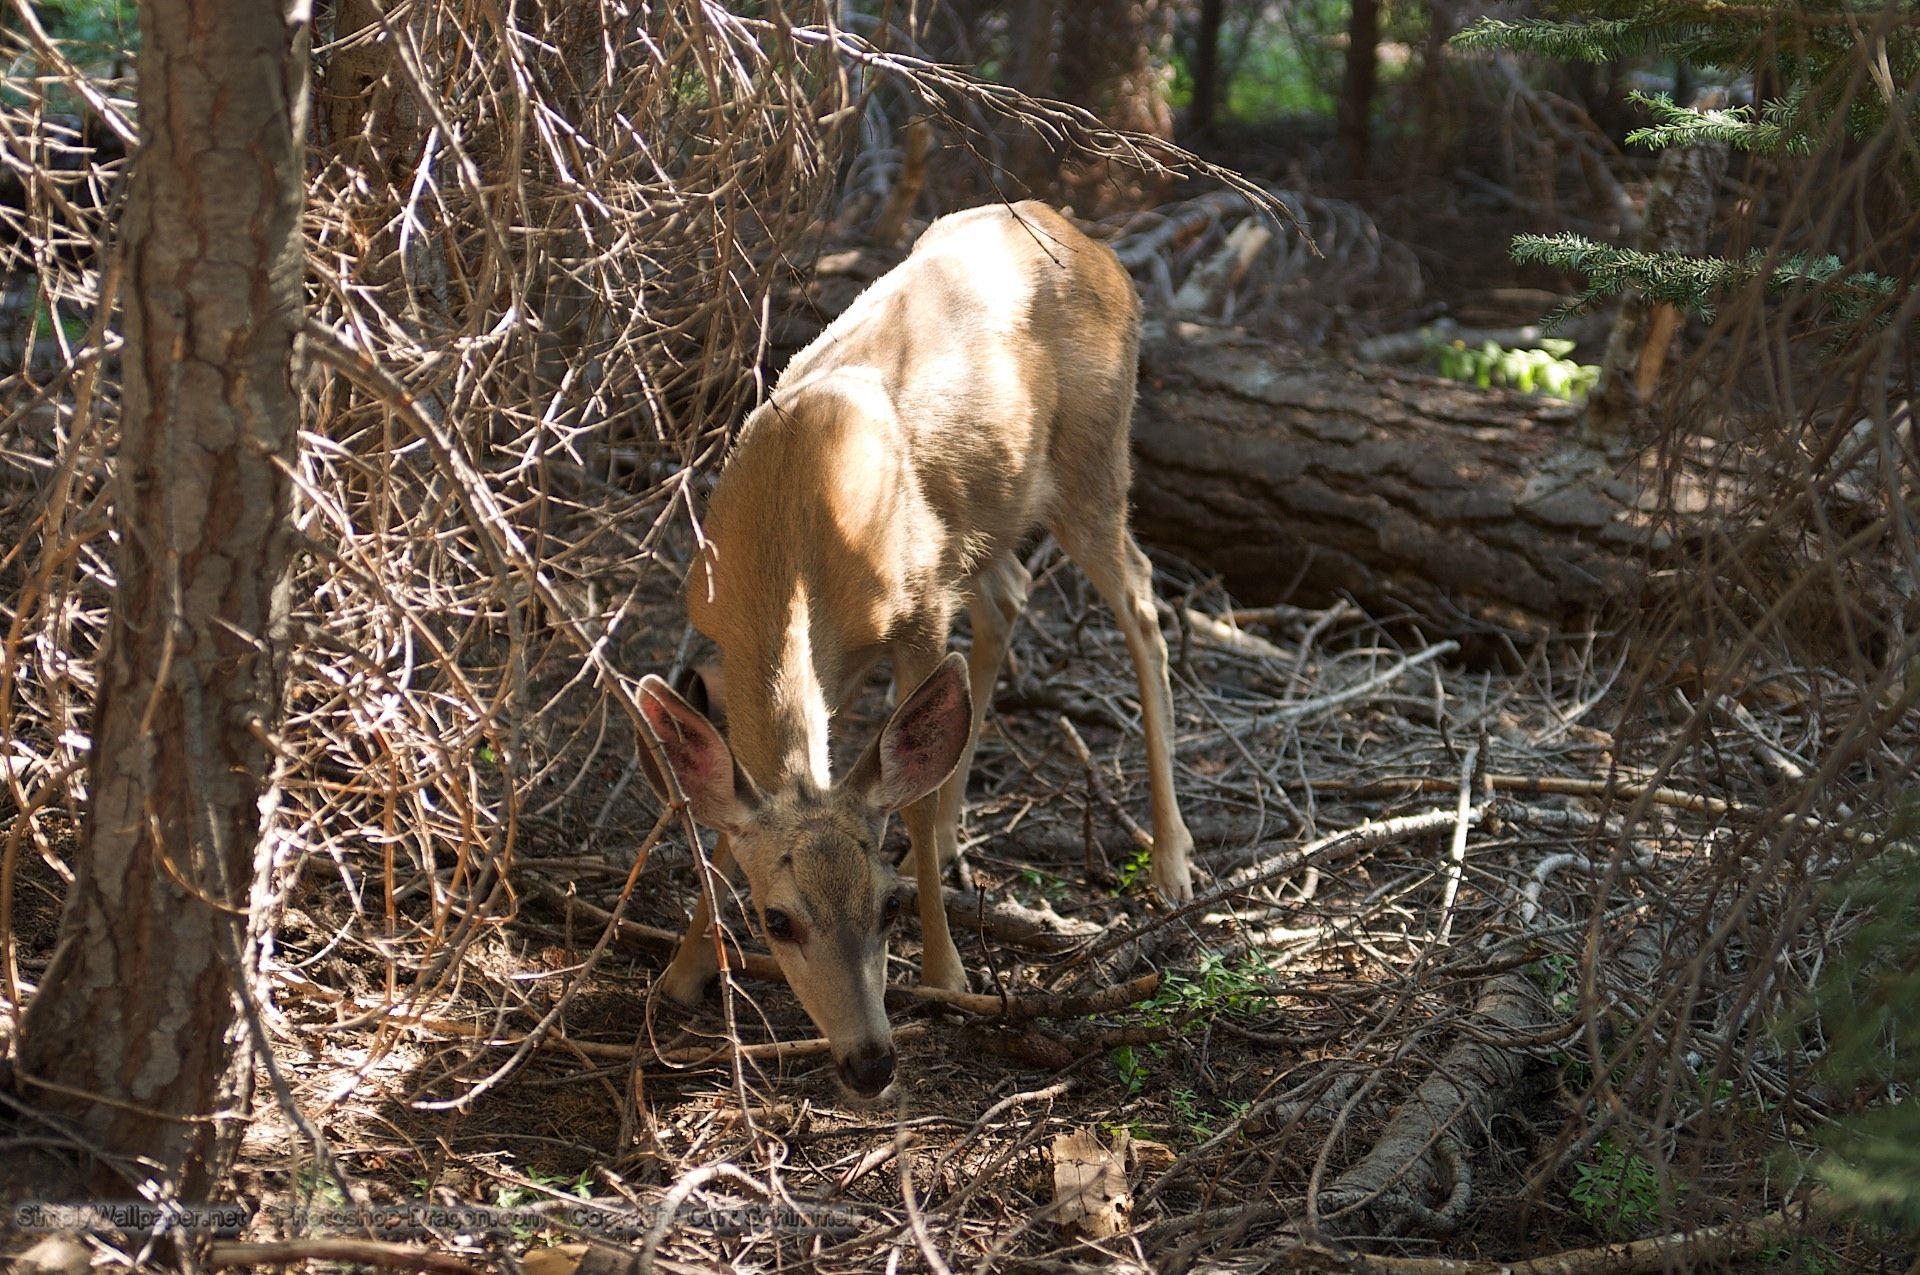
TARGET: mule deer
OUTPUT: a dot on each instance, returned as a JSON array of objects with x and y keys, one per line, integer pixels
[{"x": 980, "y": 390}]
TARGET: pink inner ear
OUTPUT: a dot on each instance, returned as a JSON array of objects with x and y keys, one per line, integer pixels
[
  {"x": 698, "y": 757},
  {"x": 920, "y": 746}
]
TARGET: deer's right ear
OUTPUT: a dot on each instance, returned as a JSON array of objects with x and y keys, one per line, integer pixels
[
  {"x": 921, "y": 743},
  {"x": 720, "y": 795}
]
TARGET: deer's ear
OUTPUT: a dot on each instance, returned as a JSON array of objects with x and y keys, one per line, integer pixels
[
  {"x": 921, "y": 743},
  {"x": 721, "y": 796}
]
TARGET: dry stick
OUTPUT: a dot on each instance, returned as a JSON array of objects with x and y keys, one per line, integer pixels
[
  {"x": 1041, "y": 929},
  {"x": 1675, "y": 1251},
  {"x": 405, "y": 1257},
  {"x": 1457, "y": 852},
  {"x": 1573, "y": 786},
  {"x": 1359, "y": 690},
  {"x": 1543, "y": 785},
  {"x": 772, "y": 1051},
  {"x": 1422, "y": 1145},
  {"x": 776, "y": 1051},
  {"x": 1141, "y": 837},
  {"x": 1105, "y": 1000},
  {"x": 1469, "y": 1079},
  {"x": 1326, "y": 849}
]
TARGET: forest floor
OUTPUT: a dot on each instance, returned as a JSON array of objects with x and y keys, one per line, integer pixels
[
  {"x": 1295, "y": 1010},
  {"x": 1270, "y": 1054}
]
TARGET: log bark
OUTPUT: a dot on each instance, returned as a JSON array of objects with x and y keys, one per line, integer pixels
[
  {"x": 1301, "y": 477},
  {"x": 136, "y": 1032}
]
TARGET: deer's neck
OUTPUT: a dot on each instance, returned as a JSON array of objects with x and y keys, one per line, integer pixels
[{"x": 778, "y": 719}]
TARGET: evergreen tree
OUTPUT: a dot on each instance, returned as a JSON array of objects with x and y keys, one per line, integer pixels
[{"x": 1825, "y": 71}]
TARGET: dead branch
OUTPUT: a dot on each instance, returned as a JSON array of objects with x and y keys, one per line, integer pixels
[
  {"x": 405, "y": 1257},
  {"x": 1678, "y": 1250}
]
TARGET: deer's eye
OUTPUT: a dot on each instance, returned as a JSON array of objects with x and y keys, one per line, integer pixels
[
  {"x": 890, "y": 911},
  {"x": 780, "y": 927}
]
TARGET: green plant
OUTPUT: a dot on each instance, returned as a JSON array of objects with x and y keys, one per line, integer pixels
[
  {"x": 1131, "y": 1068},
  {"x": 1046, "y": 884},
  {"x": 1279, "y": 65},
  {"x": 1617, "y": 1190},
  {"x": 109, "y": 24},
  {"x": 72, "y": 326},
  {"x": 1188, "y": 1113},
  {"x": 1135, "y": 869},
  {"x": 1542, "y": 370},
  {"x": 316, "y": 1188},
  {"x": 1868, "y": 1004},
  {"x": 1554, "y": 976},
  {"x": 508, "y": 1196},
  {"x": 1218, "y": 986},
  {"x": 1810, "y": 1257}
]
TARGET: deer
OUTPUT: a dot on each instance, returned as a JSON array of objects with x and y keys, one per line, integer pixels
[{"x": 978, "y": 392}]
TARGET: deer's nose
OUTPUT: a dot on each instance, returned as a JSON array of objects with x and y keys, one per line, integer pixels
[{"x": 868, "y": 1069}]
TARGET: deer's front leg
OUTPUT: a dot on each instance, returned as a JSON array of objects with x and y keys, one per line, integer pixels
[
  {"x": 939, "y": 960},
  {"x": 694, "y": 963}
]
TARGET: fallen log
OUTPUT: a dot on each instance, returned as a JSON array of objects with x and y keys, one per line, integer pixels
[{"x": 1300, "y": 476}]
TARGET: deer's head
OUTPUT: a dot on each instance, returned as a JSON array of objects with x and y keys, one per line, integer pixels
[{"x": 826, "y": 899}]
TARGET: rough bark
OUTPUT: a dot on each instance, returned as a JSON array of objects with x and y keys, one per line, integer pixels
[
  {"x": 1110, "y": 57},
  {"x": 1301, "y": 477},
  {"x": 136, "y": 1031}
]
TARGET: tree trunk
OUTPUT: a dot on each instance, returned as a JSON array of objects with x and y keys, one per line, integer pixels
[
  {"x": 1034, "y": 27},
  {"x": 1110, "y": 57},
  {"x": 1356, "y": 87},
  {"x": 1206, "y": 67},
  {"x": 1298, "y": 476},
  {"x": 1438, "y": 132},
  {"x": 137, "y": 1031}
]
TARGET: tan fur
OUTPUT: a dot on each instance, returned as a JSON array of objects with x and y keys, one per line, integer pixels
[{"x": 978, "y": 391}]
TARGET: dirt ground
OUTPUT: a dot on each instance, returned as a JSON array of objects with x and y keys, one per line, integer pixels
[{"x": 1290, "y": 1022}]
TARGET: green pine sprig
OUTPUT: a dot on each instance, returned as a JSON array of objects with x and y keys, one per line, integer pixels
[
  {"x": 1774, "y": 127},
  {"x": 1698, "y": 283}
]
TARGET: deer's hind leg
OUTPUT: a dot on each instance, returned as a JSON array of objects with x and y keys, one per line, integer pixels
[
  {"x": 694, "y": 962},
  {"x": 1090, "y": 522}
]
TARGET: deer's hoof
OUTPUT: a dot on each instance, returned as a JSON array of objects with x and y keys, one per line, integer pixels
[
  {"x": 948, "y": 977},
  {"x": 1173, "y": 871},
  {"x": 686, "y": 983}
]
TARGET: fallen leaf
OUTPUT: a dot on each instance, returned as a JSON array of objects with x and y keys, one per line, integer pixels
[{"x": 1090, "y": 1189}]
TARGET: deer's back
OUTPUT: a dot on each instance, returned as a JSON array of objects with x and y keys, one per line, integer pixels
[{"x": 933, "y": 424}]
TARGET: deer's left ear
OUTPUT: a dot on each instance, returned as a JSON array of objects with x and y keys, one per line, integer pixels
[
  {"x": 721, "y": 795},
  {"x": 921, "y": 743}
]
